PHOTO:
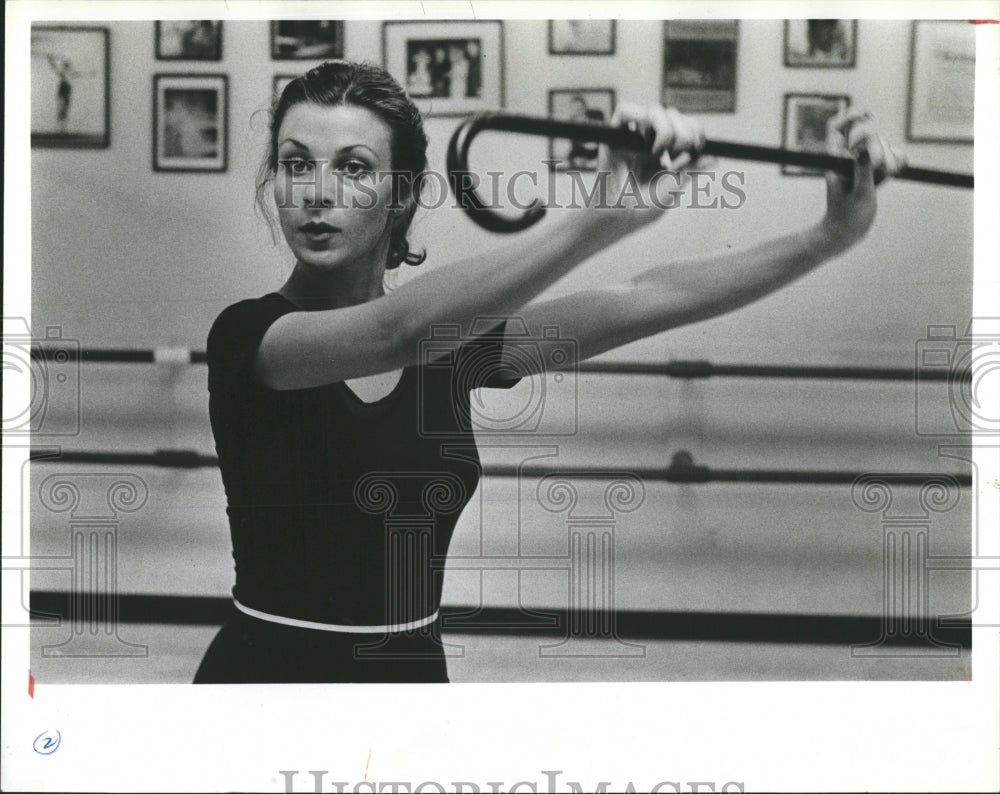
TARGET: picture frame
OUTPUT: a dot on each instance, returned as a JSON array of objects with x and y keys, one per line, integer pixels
[
  {"x": 307, "y": 39},
  {"x": 821, "y": 43},
  {"x": 941, "y": 101},
  {"x": 190, "y": 122},
  {"x": 590, "y": 105},
  {"x": 70, "y": 87},
  {"x": 700, "y": 65},
  {"x": 188, "y": 40},
  {"x": 582, "y": 36},
  {"x": 449, "y": 68},
  {"x": 805, "y": 126}
]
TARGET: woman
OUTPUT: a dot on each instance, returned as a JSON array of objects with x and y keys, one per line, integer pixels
[{"x": 346, "y": 458}]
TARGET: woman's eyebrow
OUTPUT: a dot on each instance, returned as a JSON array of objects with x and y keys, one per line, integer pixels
[
  {"x": 342, "y": 149},
  {"x": 359, "y": 146}
]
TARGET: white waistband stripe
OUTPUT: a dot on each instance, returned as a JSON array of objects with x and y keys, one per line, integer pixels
[{"x": 309, "y": 624}]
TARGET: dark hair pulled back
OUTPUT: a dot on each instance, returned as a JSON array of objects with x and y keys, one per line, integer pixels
[{"x": 368, "y": 86}]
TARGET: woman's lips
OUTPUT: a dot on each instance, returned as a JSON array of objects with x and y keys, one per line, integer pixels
[{"x": 319, "y": 232}]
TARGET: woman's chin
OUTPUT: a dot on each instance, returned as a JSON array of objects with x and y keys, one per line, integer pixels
[{"x": 321, "y": 260}]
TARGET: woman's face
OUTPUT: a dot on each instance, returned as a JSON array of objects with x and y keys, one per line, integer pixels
[{"x": 332, "y": 205}]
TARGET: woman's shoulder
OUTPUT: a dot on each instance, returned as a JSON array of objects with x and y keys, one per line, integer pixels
[
  {"x": 271, "y": 304},
  {"x": 261, "y": 302},
  {"x": 240, "y": 326}
]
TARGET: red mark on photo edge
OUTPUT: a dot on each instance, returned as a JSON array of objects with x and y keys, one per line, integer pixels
[
  {"x": 31, "y": 685},
  {"x": 984, "y": 21}
]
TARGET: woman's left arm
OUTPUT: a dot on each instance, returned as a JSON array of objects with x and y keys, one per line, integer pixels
[{"x": 689, "y": 290}]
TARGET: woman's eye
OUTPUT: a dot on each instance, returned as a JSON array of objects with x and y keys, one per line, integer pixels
[
  {"x": 355, "y": 168},
  {"x": 297, "y": 165}
]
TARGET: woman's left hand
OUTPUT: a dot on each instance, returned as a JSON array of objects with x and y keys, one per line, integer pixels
[{"x": 850, "y": 203}]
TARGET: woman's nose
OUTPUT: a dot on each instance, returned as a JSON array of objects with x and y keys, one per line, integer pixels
[
  {"x": 313, "y": 192},
  {"x": 325, "y": 190}
]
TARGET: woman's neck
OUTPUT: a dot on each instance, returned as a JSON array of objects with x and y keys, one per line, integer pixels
[{"x": 314, "y": 292}]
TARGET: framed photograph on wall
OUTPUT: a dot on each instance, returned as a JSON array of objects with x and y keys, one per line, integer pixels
[
  {"x": 70, "y": 87},
  {"x": 942, "y": 82},
  {"x": 188, "y": 40},
  {"x": 588, "y": 105},
  {"x": 827, "y": 43},
  {"x": 699, "y": 65},
  {"x": 190, "y": 122},
  {"x": 449, "y": 68},
  {"x": 581, "y": 37},
  {"x": 807, "y": 126},
  {"x": 306, "y": 39}
]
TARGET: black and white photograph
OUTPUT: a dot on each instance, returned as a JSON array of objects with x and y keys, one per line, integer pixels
[
  {"x": 449, "y": 68},
  {"x": 582, "y": 36},
  {"x": 808, "y": 127},
  {"x": 941, "y": 104},
  {"x": 367, "y": 428},
  {"x": 189, "y": 122},
  {"x": 445, "y": 68},
  {"x": 188, "y": 40},
  {"x": 829, "y": 43},
  {"x": 587, "y": 105},
  {"x": 699, "y": 65},
  {"x": 307, "y": 39},
  {"x": 69, "y": 86}
]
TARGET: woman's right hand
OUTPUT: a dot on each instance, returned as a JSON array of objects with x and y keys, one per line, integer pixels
[{"x": 641, "y": 185}]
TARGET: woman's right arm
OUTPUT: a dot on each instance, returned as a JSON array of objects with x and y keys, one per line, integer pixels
[
  {"x": 311, "y": 348},
  {"x": 305, "y": 349}
]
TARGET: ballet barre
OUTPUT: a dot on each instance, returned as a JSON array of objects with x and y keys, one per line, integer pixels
[
  {"x": 634, "y": 624},
  {"x": 681, "y": 470},
  {"x": 624, "y": 138},
  {"x": 683, "y": 369},
  {"x": 157, "y": 355}
]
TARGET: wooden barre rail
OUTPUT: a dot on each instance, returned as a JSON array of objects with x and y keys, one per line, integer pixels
[
  {"x": 682, "y": 469},
  {"x": 632, "y": 624},
  {"x": 685, "y": 369}
]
